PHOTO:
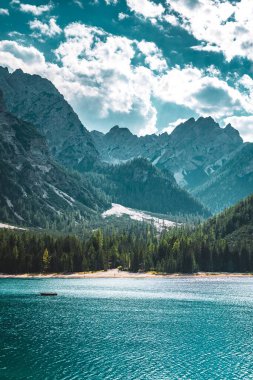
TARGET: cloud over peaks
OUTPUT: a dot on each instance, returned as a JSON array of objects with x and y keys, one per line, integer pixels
[
  {"x": 244, "y": 124},
  {"x": 110, "y": 78},
  {"x": 146, "y": 8},
  {"x": 49, "y": 29},
  {"x": 219, "y": 26}
]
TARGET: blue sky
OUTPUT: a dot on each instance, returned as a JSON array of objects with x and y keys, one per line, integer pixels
[{"x": 145, "y": 65}]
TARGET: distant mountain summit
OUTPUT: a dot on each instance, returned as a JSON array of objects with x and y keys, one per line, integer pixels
[
  {"x": 201, "y": 130},
  {"x": 36, "y": 100},
  {"x": 116, "y": 131},
  {"x": 120, "y": 145},
  {"x": 197, "y": 149},
  {"x": 193, "y": 151}
]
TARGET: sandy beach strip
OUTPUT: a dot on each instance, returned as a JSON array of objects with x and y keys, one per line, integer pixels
[{"x": 115, "y": 273}]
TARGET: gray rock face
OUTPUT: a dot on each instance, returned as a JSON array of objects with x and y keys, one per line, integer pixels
[
  {"x": 36, "y": 100},
  {"x": 34, "y": 190},
  {"x": 197, "y": 149},
  {"x": 203, "y": 158},
  {"x": 229, "y": 184},
  {"x": 120, "y": 145},
  {"x": 192, "y": 152}
]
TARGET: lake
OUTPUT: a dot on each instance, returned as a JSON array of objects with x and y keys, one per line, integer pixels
[{"x": 127, "y": 329}]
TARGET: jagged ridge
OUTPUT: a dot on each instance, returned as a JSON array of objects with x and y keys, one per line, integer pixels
[
  {"x": 36, "y": 100},
  {"x": 34, "y": 190}
]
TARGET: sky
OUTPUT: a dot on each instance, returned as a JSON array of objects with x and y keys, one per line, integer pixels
[{"x": 145, "y": 65}]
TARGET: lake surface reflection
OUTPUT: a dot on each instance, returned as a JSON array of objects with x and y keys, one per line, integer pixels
[{"x": 127, "y": 329}]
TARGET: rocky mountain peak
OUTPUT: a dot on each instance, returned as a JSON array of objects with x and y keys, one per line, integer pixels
[
  {"x": 117, "y": 130},
  {"x": 206, "y": 122},
  {"x": 232, "y": 132},
  {"x": 36, "y": 100},
  {"x": 97, "y": 133},
  {"x": 35, "y": 82},
  {"x": 189, "y": 122},
  {"x": 19, "y": 72},
  {"x": 201, "y": 129},
  {"x": 4, "y": 71}
]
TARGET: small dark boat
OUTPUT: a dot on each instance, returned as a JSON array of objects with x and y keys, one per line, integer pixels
[{"x": 48, "y": 294}]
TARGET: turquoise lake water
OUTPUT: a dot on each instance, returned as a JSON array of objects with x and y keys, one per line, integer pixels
[{"x": 126, "y": 329}]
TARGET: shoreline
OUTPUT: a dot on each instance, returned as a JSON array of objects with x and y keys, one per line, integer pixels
[{"x": 115, "y": 273}]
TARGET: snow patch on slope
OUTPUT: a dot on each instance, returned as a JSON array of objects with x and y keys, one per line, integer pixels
[
  {"x": 159, "y": 157},
  {"x": 67, "y": 198},
  {"x": 119, "y": 210},
  {"x": 156, "y": 160},
  {"x": 8, "y": 226},
  {"x": 10, "y": 205},
  {"x": 179, "y": 177}
]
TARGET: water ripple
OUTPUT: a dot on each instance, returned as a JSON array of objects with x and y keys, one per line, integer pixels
[{"x": 127, "y": 329}]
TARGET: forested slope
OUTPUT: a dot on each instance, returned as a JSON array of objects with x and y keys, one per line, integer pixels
[{"x": 222, "y": 244}]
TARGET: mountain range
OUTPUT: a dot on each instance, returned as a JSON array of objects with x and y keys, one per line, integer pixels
[
  {"x": 54, "y": 171},
  {"x": 210, "y": 162},
  {"x": 51, "y": 171}
]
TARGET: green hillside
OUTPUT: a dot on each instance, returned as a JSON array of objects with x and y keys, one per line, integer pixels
[{"x": 138, "y": 184}]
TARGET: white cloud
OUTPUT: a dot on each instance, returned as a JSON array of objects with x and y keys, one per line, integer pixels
[
  {"x": 153, "y": 56},
  {"x": 171, "y": 19},
  {"x": 147, "y": 48},
  {"x": 97, "y": 73},
  {"x": 198, "y": 90},
  {"x": 35, "y": 10},
  {"x": 244, "y": 124},
  {"x": 213, "y": 71},
  {"x": 15, "y": 34},
  {"x": 146, "y": 8},
  {"x": 43, "y": 29},
  {"x": 152, "y": 11},
  {"x": 4, "y": 12},
  {"x": 220, "y": 26},
  {"x": 78, "y": 3},
  {"x": 111, "y": 2},
  {"x": 102, "y": 66},
  {"x": 122, "y": 16},
  {"x": 29, "y": 59},
  {"x": 206, "y": 47},
  {"x": 15, "y": 56},
  {"x": 247, "y": 82}
]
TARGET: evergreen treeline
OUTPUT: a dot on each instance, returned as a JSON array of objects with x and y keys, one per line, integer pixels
[
  {"x": 177, "y": 250},
  {"x": 224, "y": 243},
  {"x": 138, "y": 184}
]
